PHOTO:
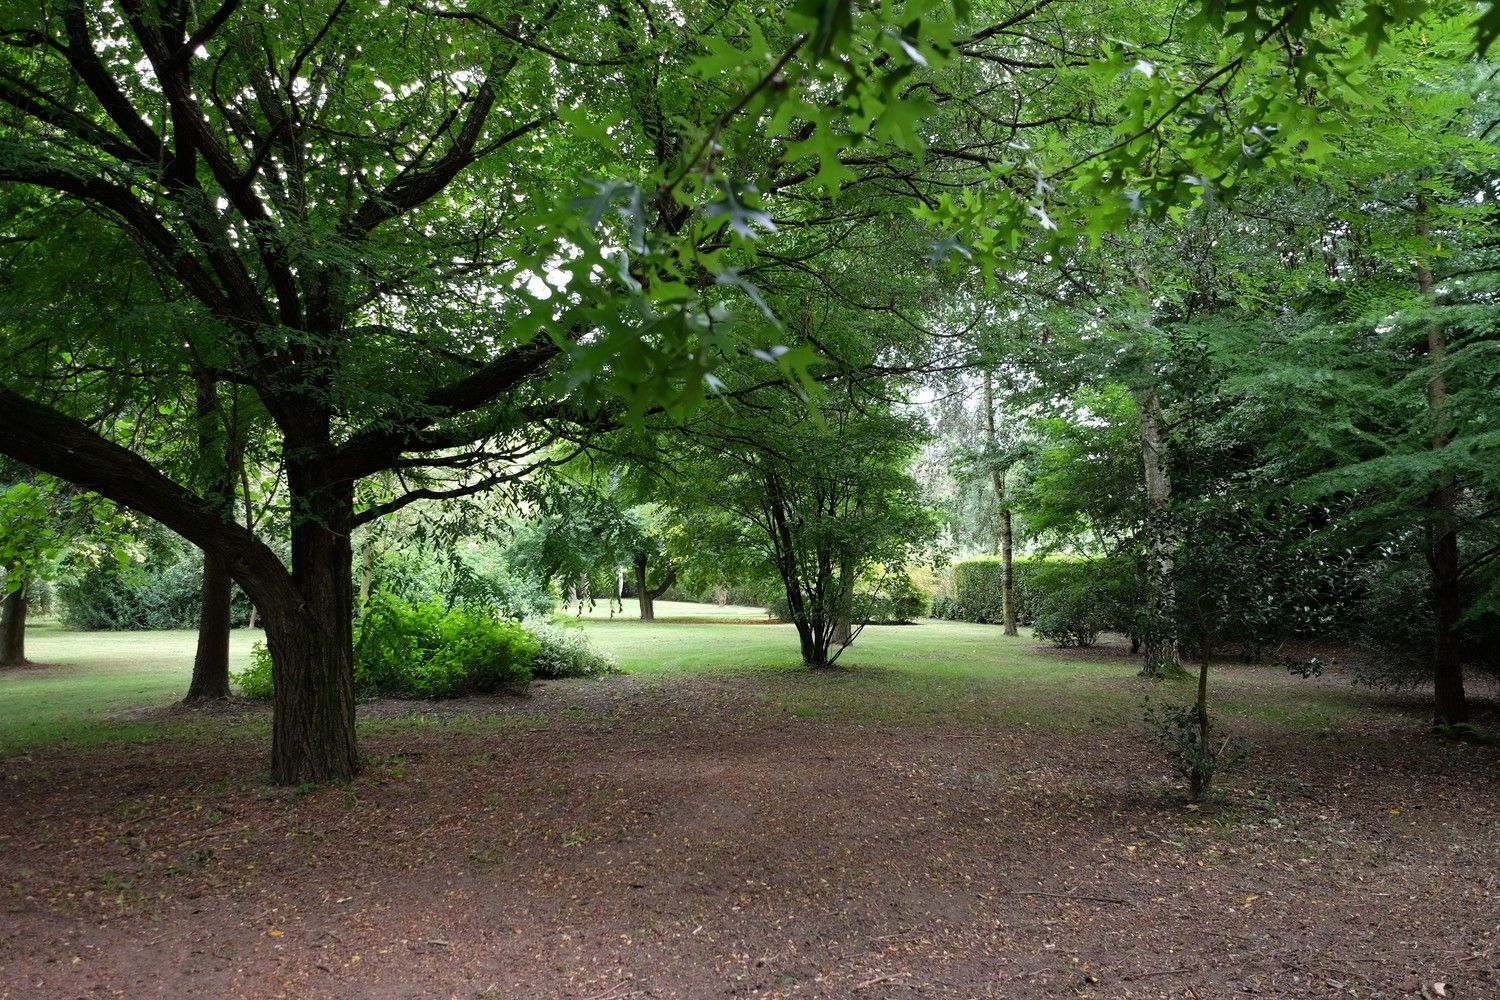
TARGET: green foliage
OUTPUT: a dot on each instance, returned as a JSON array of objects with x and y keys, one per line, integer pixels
[
  {"x": 565, "y": 651},
  {"x": 1101, "y": 593},
  {"x": 429, "y": 650},
  {"x": 426, "y": 649},
  {"x": 890, "y": 598},
  {"x": 1178, "y": 730},
  {"x": 475, "y": 575},
  {"x": 256, "y": 680},
  {"x": 162, "y": 592}
]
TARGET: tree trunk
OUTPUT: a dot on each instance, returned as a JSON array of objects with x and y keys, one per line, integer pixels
[
  {"x": 217, "y": 450},
  {"x": 1201, "y": 779},
  {"x": 13, "y": 626},
  {"x": 366, "y": 573},
  {"x": 1158, "y": 637},
  {"x": 311, "y": 642},
  {"x": 643, "y": 593},
  {"x": 1007, "y": 534},
  {"x": 721, "y": 595},
  {"x": 1449, "y": 704},
  {"x": 211, "y": 664},
  {"x": 1008, "y": 570}
]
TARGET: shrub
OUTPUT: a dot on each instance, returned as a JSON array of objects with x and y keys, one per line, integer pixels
[
  {"x": 255, "y": 680},
  {"x": 944, "y": 607},
  {"x": 423, "y": 649},
  {"x": 978, "y": 590},
  {"x": 163, "y": 593},
  {"x": 1069, "y": 619},
  {"x": 565, "y": 651},
  {"x": 888, "y": 599},
  {"x": 427, "y": 650},
  {"x": 473, "y": 577}
]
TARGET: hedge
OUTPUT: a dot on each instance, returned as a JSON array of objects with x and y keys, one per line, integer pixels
[{"x": 977, "y": 587}]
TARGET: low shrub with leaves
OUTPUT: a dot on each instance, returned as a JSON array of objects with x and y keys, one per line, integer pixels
[
  {"x": 565, "y": 651},
  {"x": 1069, "y": 619},
  {"x": 1180, "y": 730},
  {"x": 424, "y": 649},
  {"x": 407, "y": 649}
]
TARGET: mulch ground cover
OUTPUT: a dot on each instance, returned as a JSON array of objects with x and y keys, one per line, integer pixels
[{"x": 649, "y": 838}]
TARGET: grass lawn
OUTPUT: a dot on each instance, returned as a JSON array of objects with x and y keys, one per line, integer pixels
[
  {"x": 665, "y": 610},
  {"x": 78, "y": 681},
  {"x": 83, "y": 686}
]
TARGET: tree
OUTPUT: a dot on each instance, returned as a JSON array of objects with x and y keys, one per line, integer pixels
[
  {"x": 367, "y": 217},
  {"x": 826, "y": 498}
]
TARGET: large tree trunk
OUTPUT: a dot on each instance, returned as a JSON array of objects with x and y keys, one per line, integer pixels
[
  {"x": 211, "y": 664},
  {"x": 312, "y": 641},
  {"x": 307, "y": 613},
  {"x": 1449, "y": 704},
  {"x": 13, "y": 626},
  {"x": 1159, "y": 635}
]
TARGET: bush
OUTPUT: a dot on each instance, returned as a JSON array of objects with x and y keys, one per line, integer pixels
[
  {"x": 888, "y": 599},
  {"x": 409, "y": 649},
  {"x": 565, "y": 651},
  {"x": 1069, "y": 619},
  {"x": 163, "y": 593},
  {"x": 428, "y": 650},
  {"x": 978, "y": 591},
  {"x": 255, "y": 680},
  {"x": 944, "y": 607},
  {"x": 473, "y": 577}
]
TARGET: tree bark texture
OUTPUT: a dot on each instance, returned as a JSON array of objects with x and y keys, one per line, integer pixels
[
  {"x": 1158, "y": 638},
  {"x": 13, "y": 609},
  {"x": 211, "y": 663}
]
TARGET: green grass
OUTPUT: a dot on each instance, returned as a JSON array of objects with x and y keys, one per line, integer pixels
[
  {"x": 78, "y": 679},
  {"x": 935, "y": 672}
]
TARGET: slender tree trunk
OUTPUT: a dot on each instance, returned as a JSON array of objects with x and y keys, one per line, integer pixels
[
  {"x": 1449, "y": 703},
  {"x": 218, "y": 451},
  {"x": 251, "y": 623},
  {"x": 13, "y": 608},
  {"x": 211, "y": 664},
  {"x": 1158, "y": 638},
  {"x": 1008, "y": 569},
  {"x": 1007, "y": 532},
  {"x": 1200, "y": 779},
  {"x": 721, "y": 595},
  {"x": 366, "y": 573}
]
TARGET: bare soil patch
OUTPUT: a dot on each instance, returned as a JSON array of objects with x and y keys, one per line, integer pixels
[{"x": 644, "y": 837}]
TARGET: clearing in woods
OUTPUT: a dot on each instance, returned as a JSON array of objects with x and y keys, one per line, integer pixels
[{"x": 948, "y": 814}]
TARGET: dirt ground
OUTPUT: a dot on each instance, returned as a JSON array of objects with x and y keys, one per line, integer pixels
[{"x": 646, "y": 838}]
